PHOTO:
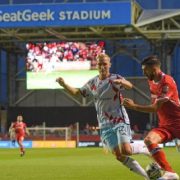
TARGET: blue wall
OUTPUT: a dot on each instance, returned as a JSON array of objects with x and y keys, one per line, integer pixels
[
  {"x": 125, "y": 64},
  {"x": 4, "y": 75},
  {"x": 176, "y": 65},
  {"x": 3, "y": 78}
]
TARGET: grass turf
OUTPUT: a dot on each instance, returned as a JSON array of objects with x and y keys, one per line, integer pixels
[
  {"x": 71, "y": 164},
  {"x": 43, "y": 80}
]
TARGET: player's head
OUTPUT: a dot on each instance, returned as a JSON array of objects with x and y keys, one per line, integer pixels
[
  {"x": 151, "y": 66},
  {"x": 103, "y": 64},
  {"x": 19, "y": 118}
]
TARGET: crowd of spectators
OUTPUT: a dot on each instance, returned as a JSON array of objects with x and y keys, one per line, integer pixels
[{"x": 46, "y": 56}]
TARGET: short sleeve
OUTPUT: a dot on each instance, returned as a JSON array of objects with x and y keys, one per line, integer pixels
[
  {"x": 168, "y": 87},
  {"x": 86, "y": 90}
]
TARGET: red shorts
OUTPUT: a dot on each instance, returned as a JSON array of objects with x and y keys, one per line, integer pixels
[
  {"x": 19, "y": 137},
  {"x": 167, "y": 133}
]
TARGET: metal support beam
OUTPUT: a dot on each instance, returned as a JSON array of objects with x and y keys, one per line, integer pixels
[
  {"x": 22, "y": 98},
  {"x": 175, "y": 23},
  {"x": 72, "y": 98},
  {"x": 139, "y": 91},
  {"x": 54, "y": 33}
]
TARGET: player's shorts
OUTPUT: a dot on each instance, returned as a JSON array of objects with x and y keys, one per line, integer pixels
[
  {"x": 19, "y": 137},
  {"x": 114, "y": 136},
  {"x": 167, "y": 133}
]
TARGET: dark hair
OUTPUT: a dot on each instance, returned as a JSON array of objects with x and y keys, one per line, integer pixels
[{"x": 151, "y": 60}]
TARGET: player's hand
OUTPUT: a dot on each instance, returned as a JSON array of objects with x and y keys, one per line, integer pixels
[
  {"x": 124, "y": 83},
  {"x": 61, "y": 81},
  {"x": 128, "y": 102},
  {"x": 160, "y": 101}
]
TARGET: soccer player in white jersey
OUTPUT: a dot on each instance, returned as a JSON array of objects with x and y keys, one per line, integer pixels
[{"x": 105, "y": 89}]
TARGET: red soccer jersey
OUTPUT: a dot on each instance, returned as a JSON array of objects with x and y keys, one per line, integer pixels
[
  {"x": 169, "y": 112},
  {"x": 19, "y": 128}
]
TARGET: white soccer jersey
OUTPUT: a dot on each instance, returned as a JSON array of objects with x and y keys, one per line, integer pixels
[{"x": 107, "y": 99}]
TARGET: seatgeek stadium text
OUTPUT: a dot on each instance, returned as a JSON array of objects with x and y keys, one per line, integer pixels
[{"x": 48, "y": 15}]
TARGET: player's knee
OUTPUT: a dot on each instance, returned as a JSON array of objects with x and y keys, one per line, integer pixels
[
  {"x": 148, "y": 140},
  {"x": 127, "y": 152},
  {"x": 118, "y": 155}
]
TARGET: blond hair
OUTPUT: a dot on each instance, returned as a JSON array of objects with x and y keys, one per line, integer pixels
[{"x": 102, "y": 56}]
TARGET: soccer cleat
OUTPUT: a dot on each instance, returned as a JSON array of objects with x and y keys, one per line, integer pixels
[
  {"x": 169, "y": 176},
  {"x": 153, "y": 171},
  {"x": 157, "y": 165},
  {"x": 22, "y": 153}
]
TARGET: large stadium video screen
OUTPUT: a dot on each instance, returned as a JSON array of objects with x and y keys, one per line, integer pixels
[{"x": 73, "y": 61}]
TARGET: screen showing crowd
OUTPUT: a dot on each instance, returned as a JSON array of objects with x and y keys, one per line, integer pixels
[{"x": 69, "y": 60}]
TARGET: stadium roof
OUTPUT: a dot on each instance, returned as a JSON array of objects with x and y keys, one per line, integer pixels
[
  {"x": 157, "y": 24},
  {"x": 151, "y": 24}
]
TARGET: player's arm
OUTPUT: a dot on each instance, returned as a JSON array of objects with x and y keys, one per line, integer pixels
[
  {"x": 11, "y": 128},
  {"x": 27, "y": 131},
  {"x": 129, "y": 103},
  {"x": 71, "y": 90},
  {"x": 123, "y": 82}
]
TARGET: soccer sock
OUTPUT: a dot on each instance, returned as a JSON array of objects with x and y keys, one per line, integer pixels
[
  {"x": 134, "y": 166},
  {"x": 160, "y": 157},
  {"x": 139, "y": 148},
  {"x": 21, "y": 147}
]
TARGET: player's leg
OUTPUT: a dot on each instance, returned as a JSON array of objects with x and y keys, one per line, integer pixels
[
  {"x": 13, "y": 142},
  {"x": 13, "y": 138},
  {"x": 129, "y": 162},
  {"x": 135, "y": 147},
  {"x": 177, "y": 142},
  {"x": 20, "y": 142},
  {"x": 111, "y": 143},
  {"x": 152, "y": 140},
  {"x": 139, "y": 148},
  {"x": 124, "y": 150}
]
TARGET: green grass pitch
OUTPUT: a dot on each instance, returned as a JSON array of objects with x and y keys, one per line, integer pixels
[
  {"x": 70, "y": 164},
  {"x": 43, "y": 80}
]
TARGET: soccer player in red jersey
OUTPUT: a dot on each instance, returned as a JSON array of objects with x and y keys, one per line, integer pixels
[
  {"x": 165, "y": 102},
  {"x": 20, "y": 129}
]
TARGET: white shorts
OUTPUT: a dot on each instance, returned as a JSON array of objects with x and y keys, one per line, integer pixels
[{"x": 113, "y": 137}]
